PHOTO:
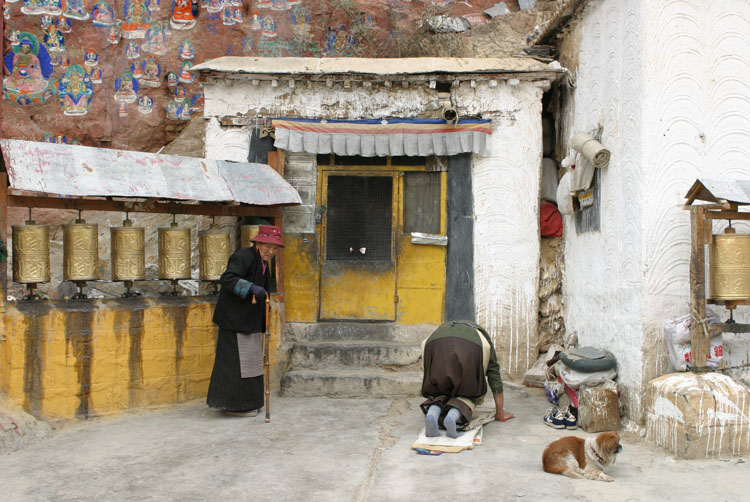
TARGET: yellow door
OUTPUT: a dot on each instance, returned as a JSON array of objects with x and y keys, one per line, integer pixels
[{"x": 358, "y": 258}]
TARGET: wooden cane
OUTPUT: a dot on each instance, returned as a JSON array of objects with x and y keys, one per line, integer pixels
[{"x": 266, "y": 382}]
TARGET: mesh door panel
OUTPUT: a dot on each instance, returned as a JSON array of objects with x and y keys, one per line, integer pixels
[{"x": 359, "y": 218}]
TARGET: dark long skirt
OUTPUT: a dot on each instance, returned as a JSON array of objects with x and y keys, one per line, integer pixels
[{"x": 227, "y": 390}]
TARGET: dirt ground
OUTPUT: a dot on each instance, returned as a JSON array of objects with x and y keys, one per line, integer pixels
[{"x": 319, "y": 449}]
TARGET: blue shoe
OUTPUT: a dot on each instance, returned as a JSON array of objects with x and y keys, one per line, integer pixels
[
  {"x": 431, "y": 426},
  {"x": 555, "y": 418},
  {"x": 569, "y": 419}
]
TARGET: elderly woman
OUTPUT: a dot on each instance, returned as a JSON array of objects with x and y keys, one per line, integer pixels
[
  {"x": 237, "y": 378},
  {"x": 459, "y": 361}
]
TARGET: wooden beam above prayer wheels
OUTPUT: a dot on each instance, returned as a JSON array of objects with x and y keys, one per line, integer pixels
[{"x": 143, "y": 206}]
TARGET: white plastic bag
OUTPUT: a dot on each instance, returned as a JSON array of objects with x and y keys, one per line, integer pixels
[{"x": 677, "y": 338}]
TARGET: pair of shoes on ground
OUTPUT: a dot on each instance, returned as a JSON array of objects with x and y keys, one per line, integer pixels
[
  {"x": 241, "y": 413},
  {"x": 560, "y": 418}
]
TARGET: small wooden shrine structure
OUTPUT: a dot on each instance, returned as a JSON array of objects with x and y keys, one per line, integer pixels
[{"x": 729, "y": 257}]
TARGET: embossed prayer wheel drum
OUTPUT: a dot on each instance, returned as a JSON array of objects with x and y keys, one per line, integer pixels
[
  {"x": 730, "y": 266},
  {"x": 128, "y": 252},
  {"x": 81, "y": 251},
  {"x": 31, "y": 253},
  {"x": 215, "y": 248},
  {"x": 174, "y": 252},
  {"x": 247, "y": 232}
]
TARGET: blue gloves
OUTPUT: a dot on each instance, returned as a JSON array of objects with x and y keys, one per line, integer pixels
[{"x": 258, "y": 292}]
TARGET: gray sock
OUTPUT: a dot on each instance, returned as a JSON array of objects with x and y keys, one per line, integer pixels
[
  {"x": 431, "y": 421},
  {"x": 449, "y": 422}
]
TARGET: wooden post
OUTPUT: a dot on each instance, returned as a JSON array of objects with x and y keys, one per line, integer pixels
[
  {"x": 4, "y": 238},
  {"x": 699, "y": 339},
  {"x": 276, "y": 161}
]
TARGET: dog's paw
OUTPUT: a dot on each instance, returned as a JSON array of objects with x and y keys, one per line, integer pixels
[{"x": 604, "y": 477}]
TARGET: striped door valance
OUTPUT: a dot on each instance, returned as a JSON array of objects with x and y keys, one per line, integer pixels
[{"x": 382, "y": 138}]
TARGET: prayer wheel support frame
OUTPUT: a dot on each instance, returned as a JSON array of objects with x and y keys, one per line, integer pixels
[
  {"x": 701, "y": 217},
  {"x": 3, "y": 235},
  {"x": 124, "y": 204}
]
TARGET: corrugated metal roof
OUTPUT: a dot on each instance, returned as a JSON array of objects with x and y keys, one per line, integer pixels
[
  {"x": 85, "y": 171},
  {"x": 711, "y": 190},
  {"x": 373, "y": 66}
]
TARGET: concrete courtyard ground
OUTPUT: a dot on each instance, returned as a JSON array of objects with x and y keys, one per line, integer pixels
[{"x": 337, "y": 450}]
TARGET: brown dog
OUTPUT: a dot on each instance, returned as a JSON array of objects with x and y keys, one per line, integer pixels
[{"x": 582, "y": 458}]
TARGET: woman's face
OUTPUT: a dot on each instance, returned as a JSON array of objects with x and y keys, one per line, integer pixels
[{"x": 267, "y": 251}]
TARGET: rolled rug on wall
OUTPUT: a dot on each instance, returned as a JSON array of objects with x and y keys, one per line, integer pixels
[
  {"x": 592, "y": 155},
  {"x": 591, "y": 149}
]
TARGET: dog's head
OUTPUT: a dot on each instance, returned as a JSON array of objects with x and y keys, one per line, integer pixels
[{"x": 608, "y": 446}]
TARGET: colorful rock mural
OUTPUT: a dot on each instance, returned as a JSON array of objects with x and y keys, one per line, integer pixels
[{"x": 138, "y": 54}]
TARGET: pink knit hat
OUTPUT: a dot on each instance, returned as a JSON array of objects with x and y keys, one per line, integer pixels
[{"x": 269, "y": 234}]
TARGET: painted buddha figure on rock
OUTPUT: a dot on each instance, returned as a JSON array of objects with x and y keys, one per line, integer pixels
[
  {"x": 102, "y": 15},
  {"x": 75, "y": 91},
  {"x": 30, "y": 67},
  {"x": 156, "y": 39},
  {"x": 75, "y": 9},
  {"x": 183, "y": 15},
  {"x": 126, "y": 88},
  {"x": 137, "y": 19},
  {"x": 151, "y": 72}
]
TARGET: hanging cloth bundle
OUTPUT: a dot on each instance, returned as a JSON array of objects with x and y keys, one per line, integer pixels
[{"x": 593, "y": 155}]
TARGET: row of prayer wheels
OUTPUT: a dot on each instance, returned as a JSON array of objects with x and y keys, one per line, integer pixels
[{"x": 31, "y": 252}]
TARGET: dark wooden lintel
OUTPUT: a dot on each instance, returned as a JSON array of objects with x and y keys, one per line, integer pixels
[
  {"x": 143, "y": 206},
  {"x": 727, "y": 215}
]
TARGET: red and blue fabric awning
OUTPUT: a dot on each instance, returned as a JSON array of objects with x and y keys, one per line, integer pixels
[{"x": 383, "y": 137}]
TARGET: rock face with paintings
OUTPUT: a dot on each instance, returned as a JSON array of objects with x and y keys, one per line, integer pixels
[{"x": 52, "y": 40}]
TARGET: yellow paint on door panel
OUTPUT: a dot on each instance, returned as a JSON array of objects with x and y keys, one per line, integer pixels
[{"x": 355, "y": 291}]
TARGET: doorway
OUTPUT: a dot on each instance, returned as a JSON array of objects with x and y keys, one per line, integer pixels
[{"x": 358, "y": 255}]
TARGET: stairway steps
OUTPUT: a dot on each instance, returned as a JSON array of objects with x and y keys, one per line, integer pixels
[
  {"x": 344, "y": 354},
  {"x": 351, "y": 383}
]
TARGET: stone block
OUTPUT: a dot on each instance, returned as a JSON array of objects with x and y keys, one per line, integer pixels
[
  {"x": 536, "y": 375},
  {"x": 698, "y": 415},
  {"x": 598, "y": 409}
]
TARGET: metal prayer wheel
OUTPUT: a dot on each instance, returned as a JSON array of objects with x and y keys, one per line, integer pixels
[
  {"x": 174, "y": 252},
  {"x": 128, "y": 252},
  {"x": 730, "y": 266},
  {"x": 80, "y": 251},
  {"x": 215, "y": 248},
  {"x": 31, "y": 253},
  {"x": 247, "y": 232}
]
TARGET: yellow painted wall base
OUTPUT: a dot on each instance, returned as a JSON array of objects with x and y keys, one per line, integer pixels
[{"x": 76, "y": 359}]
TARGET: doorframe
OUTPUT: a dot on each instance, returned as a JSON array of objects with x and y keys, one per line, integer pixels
[{"x": 324, "y": 172}]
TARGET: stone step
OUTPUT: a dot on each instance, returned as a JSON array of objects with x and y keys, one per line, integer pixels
[
  {"x": 370, "y": 383},
  {"x": 343, "y": 354},
  {"x": 359, "y": 331}
]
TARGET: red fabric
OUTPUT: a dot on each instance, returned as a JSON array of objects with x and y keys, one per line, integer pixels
[
  {"x": 550, "y": 220},
  {"x": 573, "y": 394}
]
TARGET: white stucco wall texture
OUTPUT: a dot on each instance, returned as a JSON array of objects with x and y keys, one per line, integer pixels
[
  {"x": 668, "y": 82},
  {"x": 506, "y": 188}
]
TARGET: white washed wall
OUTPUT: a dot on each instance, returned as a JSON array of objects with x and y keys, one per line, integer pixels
[
  {"x": 506, "y": 184},
  {"x": 506, "y": 231},
  {"x": 668, "y": 81}
]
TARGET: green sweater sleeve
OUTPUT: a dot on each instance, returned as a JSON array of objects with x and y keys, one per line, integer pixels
[{"x": 493, "y": 368}]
